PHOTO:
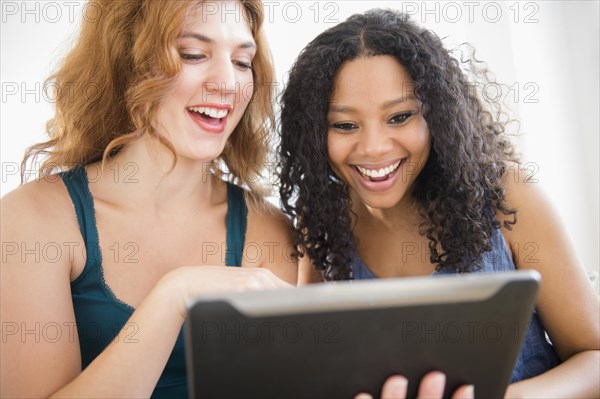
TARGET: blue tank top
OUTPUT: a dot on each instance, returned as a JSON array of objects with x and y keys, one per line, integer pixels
[
  {"x": 100, "y": 315},
  {"x": 537, "y": 354}
]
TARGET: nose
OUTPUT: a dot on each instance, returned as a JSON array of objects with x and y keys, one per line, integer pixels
[
  {"x": 373, "y": 142},
  {"x": 221, "y": 77}
]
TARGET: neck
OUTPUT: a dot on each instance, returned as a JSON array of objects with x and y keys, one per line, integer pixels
[
  {"x": 403, "y": 216},
  {"x": 143, "y": 173}
]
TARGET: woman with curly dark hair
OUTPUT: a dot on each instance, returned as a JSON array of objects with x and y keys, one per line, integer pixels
[
  {"x": 391, "y": 160},
  {"x": 182, "y": 115}
]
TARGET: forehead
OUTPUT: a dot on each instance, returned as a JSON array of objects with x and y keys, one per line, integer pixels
[
  {"x": 380, "y": 76},
  {"x": 212, "y": 17}
]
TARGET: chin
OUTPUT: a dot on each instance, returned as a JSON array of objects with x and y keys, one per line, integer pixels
[
  {"x": 203, "y": 153},
  {"x": 386, "y": 202}
]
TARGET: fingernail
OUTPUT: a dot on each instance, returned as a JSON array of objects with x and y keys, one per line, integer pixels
[
  {"x": 470, "y": 391},
  {"x": 394, "y": 387},
  {"x": 398, "y": 385},
  {"x": 363, "y": 396},
  {"x": 438, "y": 380}
]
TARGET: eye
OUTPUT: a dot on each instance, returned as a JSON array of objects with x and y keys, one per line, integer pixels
[
  {"x": 400, "y": 118},
  {"x": 191, "y": 57},
  {"x": 244, "y": 66},
  {"x": 344, "y": 126}
]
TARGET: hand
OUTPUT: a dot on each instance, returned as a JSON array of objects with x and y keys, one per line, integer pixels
[
  {"x": 431, "y": 386},
  {"x": 185, "y": 283}
]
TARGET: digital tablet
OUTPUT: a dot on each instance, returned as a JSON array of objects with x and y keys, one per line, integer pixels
[{"x": 334, "y": 340}]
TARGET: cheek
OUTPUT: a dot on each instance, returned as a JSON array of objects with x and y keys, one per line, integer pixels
[
  {"x": 423, "y": 144},
  {"x": 333, "y": 150},
  {"x": 165, "y": 123},
  {"x": 246, "y": 88},
  {"x": 420, "y": 142},
  {"x": 338, "y": 151},
  {"x": 188, "y": 82}
]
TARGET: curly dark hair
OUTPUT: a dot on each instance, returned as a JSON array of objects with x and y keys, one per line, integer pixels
[{"x": 460, "y": 188}]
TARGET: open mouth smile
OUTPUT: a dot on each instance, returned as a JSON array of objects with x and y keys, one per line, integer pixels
[
  {"x": 380, "y": 178},
  {"x": 210, "y": 118},
  {"x": 380, "y": 174}
]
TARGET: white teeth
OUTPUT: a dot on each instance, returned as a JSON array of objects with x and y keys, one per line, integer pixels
[
  {"x": 212, "y": 112},
  {"x": 380, "y": 172}
]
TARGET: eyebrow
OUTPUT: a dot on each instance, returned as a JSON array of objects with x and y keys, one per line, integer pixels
[
  {"x": 343, "y": 109},
  {"x": 206, "y": 39}
]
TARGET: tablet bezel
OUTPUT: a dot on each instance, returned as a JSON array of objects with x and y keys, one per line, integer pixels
[{"x": 242, "y": 369}]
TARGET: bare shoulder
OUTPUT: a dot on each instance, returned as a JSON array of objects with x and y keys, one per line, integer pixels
[
  {"x": 43, "y": 200},
  {"x": 524, "y": 194},
  {"x": 538, "y": 230},
  {"x": 269, "y": 240},
  {"x": 538, "y": 240},
  {"x": 266, "y": 218},
  {"x": 521, "y": 184},
  {"x": 34, "y": 198},
  {"x": 40, "y": 213}
]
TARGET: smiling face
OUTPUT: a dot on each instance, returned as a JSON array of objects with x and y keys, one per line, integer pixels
[
  {"x": 214, "y": 86},
  {"x": 378, "y": 141}
]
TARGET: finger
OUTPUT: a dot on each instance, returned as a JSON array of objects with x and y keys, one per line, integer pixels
[
  {"x": 432, "y": 385},
  {"x": 273, "y": 280},
  {"x": 257, "y": 279},
  {"x": 464, "y": 392},
  {"x": 363, "y": 395},
  {"x": 394, "y": 388},
  {"x": 279, "y": 283}
]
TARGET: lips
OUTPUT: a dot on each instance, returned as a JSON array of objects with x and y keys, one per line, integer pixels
[
  {"x": 210, "y": 117},
  {"x": 378, "y": 177},
  {"x": 380, "y": 173}
]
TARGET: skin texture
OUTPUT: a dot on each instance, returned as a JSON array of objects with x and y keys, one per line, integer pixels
[{"x": 173, "y": 220}]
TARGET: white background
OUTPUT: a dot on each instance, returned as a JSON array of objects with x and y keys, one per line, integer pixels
[{"x": 546, "y": 52}]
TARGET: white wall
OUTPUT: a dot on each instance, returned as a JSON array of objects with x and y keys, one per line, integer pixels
[{"x": 546, "y": 52}]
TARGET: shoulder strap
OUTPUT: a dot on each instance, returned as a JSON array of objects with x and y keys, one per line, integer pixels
[
  {"x": 77, "y": 186},
  {"x": 499, "y": 258},
  {"x": 237, "y": 214}
]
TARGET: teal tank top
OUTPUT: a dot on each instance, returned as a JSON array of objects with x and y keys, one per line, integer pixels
[{"x": 100, "y": 315}]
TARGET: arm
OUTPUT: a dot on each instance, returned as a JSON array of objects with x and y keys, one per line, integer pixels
[
  {"x": 35, "y": 294},
  {"x": 567, "y": 303},
  {"x": 133, "y": 369}
]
